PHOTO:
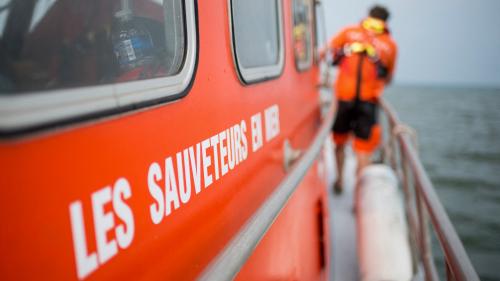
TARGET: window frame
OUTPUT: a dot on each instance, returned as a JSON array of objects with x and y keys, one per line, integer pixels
[
  {"x": 40, "y": 109},
  {"x": 249, "y": 75},
  {"x": 317, "y": 27},
  {"x": 299, "y": 65}
]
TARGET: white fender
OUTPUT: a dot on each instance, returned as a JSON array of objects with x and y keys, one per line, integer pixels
[{"x": 383, "y": 242}]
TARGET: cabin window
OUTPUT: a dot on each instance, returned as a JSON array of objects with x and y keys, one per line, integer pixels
[
  {"x": 257, "y": 38},
  {"x": 93, "y": 55},
  {"x": 302, "y": 33}
]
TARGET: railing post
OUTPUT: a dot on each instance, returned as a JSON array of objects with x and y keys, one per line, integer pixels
[
  {"x": 406, "y": 185},
  {"x": 410, "y": 212},
  {"x": 449, "y": 273},
  {"x": 430, "y": 270},
  {"x": 392, "y": 145},
  {"x": 385, "y": 155}
]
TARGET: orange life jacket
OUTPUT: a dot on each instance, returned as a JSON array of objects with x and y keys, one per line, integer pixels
[{"x": 361, "y": 46}]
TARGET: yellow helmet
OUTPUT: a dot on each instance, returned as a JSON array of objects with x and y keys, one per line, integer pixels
[{"x": 375, "y": 25}]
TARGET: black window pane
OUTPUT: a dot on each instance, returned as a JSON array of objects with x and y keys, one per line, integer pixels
[{"x": 54, "y": 44}]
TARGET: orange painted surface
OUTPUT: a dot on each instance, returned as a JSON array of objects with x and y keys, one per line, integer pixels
[
  {"x": 42, "y": 175},
  {"x": 294, "y": 249}
]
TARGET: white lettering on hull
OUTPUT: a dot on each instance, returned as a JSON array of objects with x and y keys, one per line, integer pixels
[
  {"x": 87, "y": 262},
  {"x": 171, "y": 186}
]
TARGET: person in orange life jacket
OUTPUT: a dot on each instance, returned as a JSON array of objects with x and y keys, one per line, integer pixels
[{"x": 366, "y": 55}]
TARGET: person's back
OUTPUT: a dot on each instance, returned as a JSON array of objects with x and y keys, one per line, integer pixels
[
  {"x": 361, "y": 67},
  {"x": 366, "y": 55}
]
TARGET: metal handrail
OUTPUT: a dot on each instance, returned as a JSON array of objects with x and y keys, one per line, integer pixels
[
  {"x": 459, "y": 266},
  {"x": 229, "y": 261}
]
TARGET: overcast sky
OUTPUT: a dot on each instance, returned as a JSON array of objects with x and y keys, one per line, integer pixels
[{"x": 441, "y": 42}]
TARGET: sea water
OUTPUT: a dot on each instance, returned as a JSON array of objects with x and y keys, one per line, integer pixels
[{"x": 459, "y": 143}]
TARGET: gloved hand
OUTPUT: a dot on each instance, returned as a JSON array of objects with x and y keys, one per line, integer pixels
[
  {"x": 371, "y": 52},
  {"x": 357, "y": 47},
  {"x": 382, "y": 70},
  {"x": 338, "y": 55}
]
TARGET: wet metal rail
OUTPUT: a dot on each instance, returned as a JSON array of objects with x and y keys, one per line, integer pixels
[
  {"x": 422, "y": 203},
  {"x": 231, "y": 259}
]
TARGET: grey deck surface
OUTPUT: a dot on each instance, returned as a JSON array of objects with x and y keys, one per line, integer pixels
[{"x": 344, "y": 259}]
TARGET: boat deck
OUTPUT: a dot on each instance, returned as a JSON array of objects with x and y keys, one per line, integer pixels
[{"x": 344, "y": 261}]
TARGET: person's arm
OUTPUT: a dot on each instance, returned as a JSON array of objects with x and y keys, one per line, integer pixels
[
  {"x": 337, "y": 47},
  {"x": 384, "y": 62},
  {"x": 391, "y": 64}
]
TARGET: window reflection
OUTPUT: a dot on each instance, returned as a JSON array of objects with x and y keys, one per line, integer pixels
[
  {"x": 53, "y": 44},
  {"x": 302, "y": 32},
  {"x": 256, "y": 31}
]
